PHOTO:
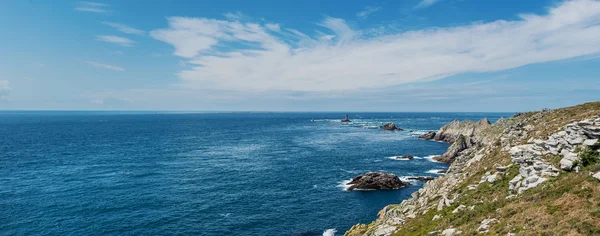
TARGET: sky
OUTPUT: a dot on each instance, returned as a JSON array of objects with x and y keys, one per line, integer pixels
[{"x": 312, "y": 55}]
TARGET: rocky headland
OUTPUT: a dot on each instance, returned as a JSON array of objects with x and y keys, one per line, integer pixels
[{"x": 536, "y": 173}]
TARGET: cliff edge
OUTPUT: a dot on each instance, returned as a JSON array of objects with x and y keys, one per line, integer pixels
[{"x": 535, "y": 173}]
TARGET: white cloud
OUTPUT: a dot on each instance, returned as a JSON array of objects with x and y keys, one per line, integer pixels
[
  {"x": 368, "y": 11},
  {"x": 105, "y": 66},
  {"x": 124, "y": 28},
  {"x": 125, "y": 42},
  {"x": 91, "y": 7},
  {"x": 352, "y": 59},
  {"x": 4, "y": 88},
  {"x": 426, "y": 3}
]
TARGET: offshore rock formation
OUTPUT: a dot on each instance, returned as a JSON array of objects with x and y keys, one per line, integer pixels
[
  {"x": 390, "y": 127},
  {"x": 407, "y": 157},
  {"x": 498, "y": 182},
  {"x": 376, "y": 181}
]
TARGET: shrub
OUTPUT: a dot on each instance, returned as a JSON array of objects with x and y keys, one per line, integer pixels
[{"x": 589, "y": 157}]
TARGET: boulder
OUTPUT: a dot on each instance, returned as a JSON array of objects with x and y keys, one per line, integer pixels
[
  {"x": 428, "y": 135},
  {"x": 390, "y": 127},
  {"x": 485, "y": 225},
  {"x": 376, "y": 181},
  {"x": 597, "y": 176}
]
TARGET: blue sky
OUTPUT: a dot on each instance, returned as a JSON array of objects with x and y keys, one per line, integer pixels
[{"x": 408, "y": 55}]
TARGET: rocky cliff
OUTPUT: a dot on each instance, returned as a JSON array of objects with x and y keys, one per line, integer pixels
[{"x": 530, "y": 174}]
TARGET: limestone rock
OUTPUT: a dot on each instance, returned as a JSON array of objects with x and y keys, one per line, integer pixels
[
  {"x": 451, "y": 232},
  {"x": 485, "y": 225},
  {"x": 597, "y": 175},
  {"x": 458, "y": 146}
]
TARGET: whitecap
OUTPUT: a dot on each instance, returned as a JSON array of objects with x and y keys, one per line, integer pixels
[
  {"x": 225, "y": 215},
  {"x": 430, "y": 158},
  {"x": 435, "y": 171},
  {"x": 345, "y": 184},
  {"x": 329, "y": 232},
  {"x": 396, "y": 158}
]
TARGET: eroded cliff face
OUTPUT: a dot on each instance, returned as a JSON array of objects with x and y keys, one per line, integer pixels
[{"x": 503, "y": 171}]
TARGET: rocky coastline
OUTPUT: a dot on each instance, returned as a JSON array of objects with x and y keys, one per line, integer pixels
[{"x": 543, "y": 164}]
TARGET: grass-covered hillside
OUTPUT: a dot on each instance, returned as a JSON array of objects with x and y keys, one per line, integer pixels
[{"x": 530, "y": 174}]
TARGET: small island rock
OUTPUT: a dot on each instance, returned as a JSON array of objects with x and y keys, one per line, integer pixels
[
  {"x": 376, "y": 181},
  {"x": 390, "y": 127},
  {"x": 407, "y": 157}
]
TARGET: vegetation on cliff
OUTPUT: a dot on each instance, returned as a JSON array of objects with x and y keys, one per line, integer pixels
[{"x": 511, "y": 182}]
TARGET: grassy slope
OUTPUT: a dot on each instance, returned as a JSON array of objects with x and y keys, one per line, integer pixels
[{"x": 566, "y": 205}]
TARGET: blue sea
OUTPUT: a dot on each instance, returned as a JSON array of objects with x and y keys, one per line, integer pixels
[{"x": 149, "y": 173}]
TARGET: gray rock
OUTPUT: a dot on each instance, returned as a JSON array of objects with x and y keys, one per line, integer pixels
[
  {"x": 597, "y": 175},
  {"x": 485, "y": 225}
]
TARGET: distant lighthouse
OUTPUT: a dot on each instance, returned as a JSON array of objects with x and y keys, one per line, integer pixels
[{"x": 346, "y": 119}]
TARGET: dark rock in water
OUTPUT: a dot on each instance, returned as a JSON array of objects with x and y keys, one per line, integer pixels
[
  {"x": 421, "y": 178},
  {"x": 390, "y": 127},
  {"x": 376, "y": 181},
  {"x": 407, "y": 157},
  {"x": 442, "y": 171},
  {"x": 428, "y": 135},
  {"x": 346, "y": 119}
]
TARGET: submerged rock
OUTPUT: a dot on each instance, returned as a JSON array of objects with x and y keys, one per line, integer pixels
[
  {"x": 376, "y": 181},
  {"x": 407, "y": 157},
  {"x": 421, "y": 178},
  {"x": 390, "y": 127},
  {"x": 428, "y": 135}
]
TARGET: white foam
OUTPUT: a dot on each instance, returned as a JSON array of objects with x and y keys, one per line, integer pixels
[
  {"x": 430, "y": 158},
  {"x": 225, "y": 215},
  {"x": 345, "y": 184},
  {"x": 398, "y": 159},
  {"x": 435, "y": 171},
  {"x": 329, "y": 232}
]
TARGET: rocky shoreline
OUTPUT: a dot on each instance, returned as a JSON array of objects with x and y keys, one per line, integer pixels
[{"x": 497, "y": 168}]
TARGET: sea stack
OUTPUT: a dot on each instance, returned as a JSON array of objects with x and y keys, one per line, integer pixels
[
  {"x": 390, "y": 127},
  {"x": 346, "y": 119}
]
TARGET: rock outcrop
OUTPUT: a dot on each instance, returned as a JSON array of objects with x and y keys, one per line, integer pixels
[
  {"x": 540, "y": 145},
  {"x": 390, "y": 127},
  {"x": 376, "y": 181},
  {"x": 428, "y": 135},
  {"x": 451, "y": 132},
  {"x": 460, "y": 144}
]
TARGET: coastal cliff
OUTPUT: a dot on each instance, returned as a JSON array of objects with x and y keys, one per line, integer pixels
[{"x": 535, "y": 173}]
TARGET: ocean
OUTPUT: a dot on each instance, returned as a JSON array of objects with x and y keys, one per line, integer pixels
[{"x": 227, "y": 173}]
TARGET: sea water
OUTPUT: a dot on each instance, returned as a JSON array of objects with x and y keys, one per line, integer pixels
[{"x": 115, "y": 173}]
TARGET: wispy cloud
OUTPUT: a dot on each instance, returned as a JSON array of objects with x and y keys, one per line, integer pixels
[
  {"x": 367, "y": 12},
  {"x": 343, "y": 58},
  {"x": 104, "y": 66},
  {"x": 426, "y": 3},
  {"x": 4, "y": 88},
  {"x": 125, "y": 42},
  {"x": 124, "y": 28},
  {"x": 95, "y": 7}
]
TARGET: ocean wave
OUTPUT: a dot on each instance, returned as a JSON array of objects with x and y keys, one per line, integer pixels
[
  {"x": 395, "y": 158},
  {"x": 329, "y": 232},
  {"x": 344, "y": 184},
  {"x": 436, "y": 171},
  {"x": 430, "y": 158}
]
